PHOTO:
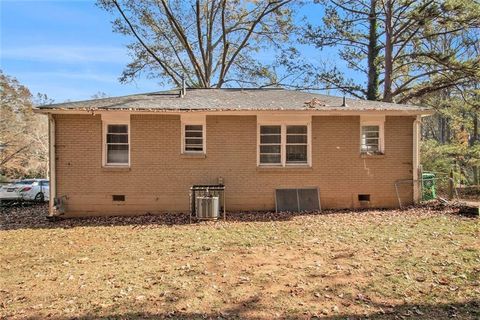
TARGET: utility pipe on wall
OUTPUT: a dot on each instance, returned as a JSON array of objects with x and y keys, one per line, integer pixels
[
  {"x": 416, "y": 160},
  {"x": 51, "y": 164}
]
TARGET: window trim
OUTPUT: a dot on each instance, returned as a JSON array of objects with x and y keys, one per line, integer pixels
[
  {"x": 112, "y": 120},
  {"x": 283, "y": 123},
  {"x": 193, "y": 120},
  {"x": 373, "y": 121}
]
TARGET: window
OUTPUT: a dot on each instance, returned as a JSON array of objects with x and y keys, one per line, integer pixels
[
  {"x": 372, "y": 135},
  {"x": 297, "y": 144},
  {"x": 117, "y": 144},
  {"x": 194, "y": 138},
  {"x": 370, "y": 139},
  {"x": 284, "y": 144},
  {"x": 270, "y": 144}
]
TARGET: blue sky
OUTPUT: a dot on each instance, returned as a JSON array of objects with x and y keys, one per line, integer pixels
[{"x": 65, "y": 49}]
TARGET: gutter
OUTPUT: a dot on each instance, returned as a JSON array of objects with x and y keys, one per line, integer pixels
[
  {"x": 416, "y": 168},
  {"x": 51, "y": 166},
  {"x": 233, "y": 111}
]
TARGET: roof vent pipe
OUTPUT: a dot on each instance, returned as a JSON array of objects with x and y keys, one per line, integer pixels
[
  {"x": 183, "y": 89},
  {"x": 344, "y": 102}
]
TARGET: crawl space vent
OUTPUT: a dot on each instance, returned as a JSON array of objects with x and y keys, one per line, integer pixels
[
  {"x": 118, "y": 197},
  {"x": 297, "y": 200}
]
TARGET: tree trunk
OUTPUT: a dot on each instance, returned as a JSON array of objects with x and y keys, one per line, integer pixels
[
  {"x": 387, "y": 89},
  {"x": 372, "y": 90},
  {"x": 441, "y": 129},
  {"x": 448, "y": 131},
  {"x": 474, "y": 137}
]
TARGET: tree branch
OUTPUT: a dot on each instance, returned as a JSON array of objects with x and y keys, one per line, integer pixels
[{"x": 154, "y": 56}]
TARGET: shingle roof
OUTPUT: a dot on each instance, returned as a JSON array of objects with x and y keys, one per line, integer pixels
[{"x": 229, "y": 100}]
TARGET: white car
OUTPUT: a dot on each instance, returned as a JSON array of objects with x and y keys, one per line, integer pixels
[{"x": 28, "y": 189}]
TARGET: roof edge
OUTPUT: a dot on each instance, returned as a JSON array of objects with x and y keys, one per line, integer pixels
[{"x": 333, "y": 111}]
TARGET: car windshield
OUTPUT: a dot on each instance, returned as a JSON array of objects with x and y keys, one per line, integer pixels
[{"x": 24, "y": 182}]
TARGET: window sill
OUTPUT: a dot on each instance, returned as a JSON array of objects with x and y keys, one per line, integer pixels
[
  {"x": 115, "y": 168},
  {"x": 193, "y": 155},
  {"x": 372, "y": 156},
  {"x": 264, "y": 168}
]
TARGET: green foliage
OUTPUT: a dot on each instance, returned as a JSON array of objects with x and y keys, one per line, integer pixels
[{"x": 442, "y": 158}]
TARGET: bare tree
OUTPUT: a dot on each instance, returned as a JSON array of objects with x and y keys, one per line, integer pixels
[
  {"x": 209, "y": 42},
  {"x": 23, "y": 134}
]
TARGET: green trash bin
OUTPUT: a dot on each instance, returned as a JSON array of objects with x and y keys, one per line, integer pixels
[{"x": 428, "y": 186}]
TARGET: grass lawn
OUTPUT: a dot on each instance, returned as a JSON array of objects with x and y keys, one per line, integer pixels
[{"x": 417, "y": 263}]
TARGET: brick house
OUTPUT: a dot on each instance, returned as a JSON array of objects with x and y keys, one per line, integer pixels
[{"x": 141, "y": 153}]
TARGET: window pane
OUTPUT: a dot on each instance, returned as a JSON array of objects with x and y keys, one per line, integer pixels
[
  {"x": 117, "y": 153},
  {"x": 270, "y": 149},
  {"x": 270, "y": 158},
  {"x": 296, "y": 154},
  {"x": 297, "y": 138},
  {"x": 117, "y": 138},
  {"x": 194, "y": 127},
  {"x": 370, "y": 148},
  {"x": 297, "y": 129},
  {"x": 270, "y": 129},
  {"x": 193, "y": 148},
  {"x": 370, "y": 139},
  {"x": 370, "y": 128},
  {"x": 117, "y": 128},
  {"x": 194, "y": 141},
  {"x": 371, "y": 134},
  {"x": 194, "y": 138},
  {"x": 270, "y": 139},
  {"x": 190, "y": 134}
]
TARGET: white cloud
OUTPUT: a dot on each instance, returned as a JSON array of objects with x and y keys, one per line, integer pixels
[{"x": 66, "y": 54}]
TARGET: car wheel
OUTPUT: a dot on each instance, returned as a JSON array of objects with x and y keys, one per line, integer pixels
[{"x": 40, "y": 197}]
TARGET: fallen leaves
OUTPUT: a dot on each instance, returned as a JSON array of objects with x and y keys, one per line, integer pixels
[{"x": 262, "y": 263}]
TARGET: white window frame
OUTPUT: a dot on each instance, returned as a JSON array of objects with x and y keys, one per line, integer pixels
[
  {"x": 374, "y": 121},
  {"x": 115, "y": 119},
  {"x": 283, "y": 122},
  {"x": 194, "y": 120},
  {"x": 266, "y": 144}
]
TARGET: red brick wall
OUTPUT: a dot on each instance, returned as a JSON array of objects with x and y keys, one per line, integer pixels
[{"x": 159, "y": 177}]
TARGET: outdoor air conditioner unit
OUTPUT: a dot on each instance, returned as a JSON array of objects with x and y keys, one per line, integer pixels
[{"x": 207, "y": 208}]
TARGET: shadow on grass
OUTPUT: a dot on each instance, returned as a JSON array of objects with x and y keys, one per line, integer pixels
[
  {"x": 34, "y": 216},
  {"x": 251, "y": 310}
]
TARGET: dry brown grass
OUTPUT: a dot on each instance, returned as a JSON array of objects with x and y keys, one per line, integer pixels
[{"x": 417, "y": 263}]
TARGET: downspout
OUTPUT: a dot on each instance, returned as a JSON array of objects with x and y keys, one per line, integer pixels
[
  {"x": 51, "y": 165},
  {"x": 416, "y": 160}
]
